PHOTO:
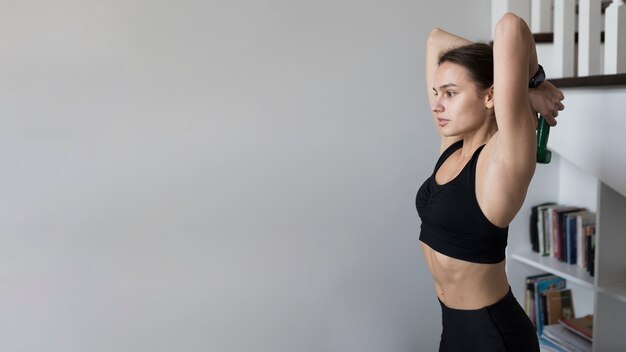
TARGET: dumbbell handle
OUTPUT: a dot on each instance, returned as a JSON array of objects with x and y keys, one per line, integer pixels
[{"x": 543, "y": 132}]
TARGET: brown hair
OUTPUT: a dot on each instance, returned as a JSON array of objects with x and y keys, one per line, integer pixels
[{"x": 477, "y": 58}]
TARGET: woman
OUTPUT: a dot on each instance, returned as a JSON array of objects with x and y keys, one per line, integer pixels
[{"x": 486, "y": 116}]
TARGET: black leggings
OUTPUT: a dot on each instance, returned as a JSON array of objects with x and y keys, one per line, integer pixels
[{"x": 500, "y": 327}]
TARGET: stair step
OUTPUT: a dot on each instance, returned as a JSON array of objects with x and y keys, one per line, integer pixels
[
  {"x": 591, "y": 81},
  {"x": 548, "y": 38}
]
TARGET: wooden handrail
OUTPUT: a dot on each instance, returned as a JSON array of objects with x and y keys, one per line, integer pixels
[
  {"x": 548, "y": 38},
  {"x": 590, "y": 81}
]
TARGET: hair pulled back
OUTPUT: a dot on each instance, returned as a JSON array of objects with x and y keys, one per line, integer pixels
[{"x": 477, "y": 58}]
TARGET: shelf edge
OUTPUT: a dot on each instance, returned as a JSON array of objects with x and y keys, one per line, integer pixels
[
  {"x": 616, "y": 290},
  {"x": 526, "y": 257}
]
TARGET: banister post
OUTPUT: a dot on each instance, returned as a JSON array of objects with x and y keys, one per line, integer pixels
[
  {"x": 540, "y": 16},
  {"x": 615, "y": 38},
  {"x": 589, "y": 17},
  {"x": 564, "y": 27}
]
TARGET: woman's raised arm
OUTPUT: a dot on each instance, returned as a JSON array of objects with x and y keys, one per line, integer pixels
[
  {"x": 512, "y": 150},
  {"x": 438, "y": 42},
  {"x": 515, "y": 62}
]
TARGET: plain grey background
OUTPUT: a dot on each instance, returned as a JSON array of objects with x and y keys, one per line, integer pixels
[{"x": 217, "y": 175}]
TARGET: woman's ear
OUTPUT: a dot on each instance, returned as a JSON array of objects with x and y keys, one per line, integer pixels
[{"x": 489, "y": 98}]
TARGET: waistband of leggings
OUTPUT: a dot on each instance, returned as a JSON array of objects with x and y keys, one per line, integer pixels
[{"x": 503, "y": 301}]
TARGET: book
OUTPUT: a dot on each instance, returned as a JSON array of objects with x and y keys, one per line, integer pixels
[
  {"x": 551, "y": 227},
  {"x": 559, "y": 227},
  {"x": 529, "y": 302},
  {"x": 544, "y": 229},
  {"x": 561, "y": 336},
  {"x": 559, "y": 306},
  {"x": 590, "y": 235},
  {"x": 571, "y": 245},
  {"x": 536, "y": 225},
  {"x": 582, "y": 326},
  {"x": 564, "y": 232},
  {"x": 543, "y": 285},
  {"x": 583, "y": 220},
  {"x": 543, "y": 310}
]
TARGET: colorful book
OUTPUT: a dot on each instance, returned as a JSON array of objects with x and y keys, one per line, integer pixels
[
  {"x": 541, "y": 286},
  {"x": 529, "y": 302},
  {"x": 582, "y": 326},
  {"x": 559, "y": 230},
  {"x": 559, "y": 306},
  {"x": 550, "y": 228}
]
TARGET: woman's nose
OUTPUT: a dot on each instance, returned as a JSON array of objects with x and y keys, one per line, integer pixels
[{"x": 437, "y": 107}]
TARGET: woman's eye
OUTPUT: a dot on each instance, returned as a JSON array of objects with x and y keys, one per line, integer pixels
[{"x": 450, "y": 94}]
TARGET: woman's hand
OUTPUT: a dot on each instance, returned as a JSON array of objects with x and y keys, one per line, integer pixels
[{"x": 547, "y": 101}]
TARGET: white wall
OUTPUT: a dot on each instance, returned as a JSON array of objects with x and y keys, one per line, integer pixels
[
  {"x": 216, "y": 175},
  {"x": 591, "y": 133}
]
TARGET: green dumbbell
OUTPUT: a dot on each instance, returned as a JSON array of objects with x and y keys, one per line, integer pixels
[{"x": 543, "y": 132}]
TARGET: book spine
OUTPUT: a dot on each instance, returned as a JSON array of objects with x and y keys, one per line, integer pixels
[{"x": 580, "y": 241}]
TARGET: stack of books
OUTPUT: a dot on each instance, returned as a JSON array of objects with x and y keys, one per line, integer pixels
[
  {"x": 567, "y": 233},
  {"x": 550, "y": 306},
  {"x": 569, "y": 335},
  {"x": 548, "y": 300}
]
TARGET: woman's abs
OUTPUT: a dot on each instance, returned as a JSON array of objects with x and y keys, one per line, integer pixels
[{"x": 465, "y": 285}]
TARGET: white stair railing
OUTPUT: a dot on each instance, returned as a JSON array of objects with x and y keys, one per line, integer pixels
[
  {"x": 560, "y": 18},
  {"x": 589, "y": 22},
  {"x": 540, "y": 16},
  {"x": 615, "y": 38},
  {"x": 564, "y": 29}
]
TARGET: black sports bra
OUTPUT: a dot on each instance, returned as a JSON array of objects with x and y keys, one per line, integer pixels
[{"x": 452, "y": 222}]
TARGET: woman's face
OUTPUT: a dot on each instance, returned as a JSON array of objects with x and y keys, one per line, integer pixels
[{"x": 458, "y": 109}]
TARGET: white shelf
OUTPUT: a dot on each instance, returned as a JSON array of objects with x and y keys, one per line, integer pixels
[
  {"x": 617, "y": 291},
  {"x": 571, "y": 273}
]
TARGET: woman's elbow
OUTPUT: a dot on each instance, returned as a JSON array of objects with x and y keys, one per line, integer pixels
[
  {"x": 434, "y": 35},
  {"x": 511, "y": 24}
]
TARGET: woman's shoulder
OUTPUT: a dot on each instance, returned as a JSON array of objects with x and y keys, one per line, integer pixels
[{"x": 500, "y": 188}]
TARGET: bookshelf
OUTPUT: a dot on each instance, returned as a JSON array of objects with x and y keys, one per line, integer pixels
[
  {"x": 572, "y": 273},
  {"x": 604, "y": 294},
  {"x": 588, "y": 170}
]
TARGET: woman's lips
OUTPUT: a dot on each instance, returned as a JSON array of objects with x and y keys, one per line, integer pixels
[{"x": 442, "y": 122}]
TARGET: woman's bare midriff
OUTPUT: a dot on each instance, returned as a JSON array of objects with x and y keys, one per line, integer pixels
[{"x": 465, "y": 285}]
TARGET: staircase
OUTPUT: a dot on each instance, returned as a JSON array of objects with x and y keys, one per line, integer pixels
[{"x": 582, "y": 46}]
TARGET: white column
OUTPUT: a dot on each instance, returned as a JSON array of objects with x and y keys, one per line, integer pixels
[
  {"x": 540, "y": 16},
  {"x": 564, "y": 27},
  {"x": 615, "y": 38},
  {"x": 500, "y": 7},
  {"x": 589, "y": 17}
]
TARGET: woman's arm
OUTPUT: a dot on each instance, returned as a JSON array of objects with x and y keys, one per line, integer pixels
[
  {"x": 511, "y": 160},
  {"x": 438, "y": 42},
  {"x": 515, "y": 61},
  {"x": 502, "y": 180}
]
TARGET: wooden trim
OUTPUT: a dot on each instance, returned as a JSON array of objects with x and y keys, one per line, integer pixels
[
  {"x": 590, "y": 81},
  {"x": 548, "y": 38},
  {"x": 544, "y": 37}
]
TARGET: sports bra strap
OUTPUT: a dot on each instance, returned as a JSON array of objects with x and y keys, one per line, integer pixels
[{"x": 446, "y": 154}]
